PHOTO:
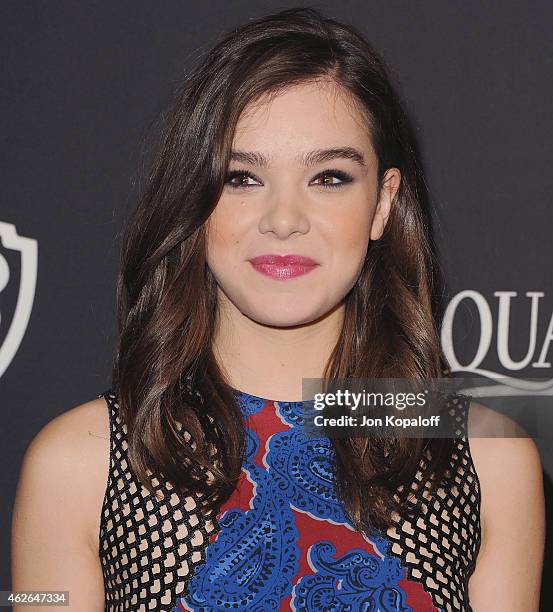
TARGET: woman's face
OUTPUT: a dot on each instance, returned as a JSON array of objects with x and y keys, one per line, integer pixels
[{"x": 302, "y": 181}]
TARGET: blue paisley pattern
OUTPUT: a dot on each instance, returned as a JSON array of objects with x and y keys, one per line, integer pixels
[
  {"x": 301, "y": 467},
  {"x": 251, "y": 564},
  {"x": 254, "y": 561},
  {"x": 367, "y": 582}
]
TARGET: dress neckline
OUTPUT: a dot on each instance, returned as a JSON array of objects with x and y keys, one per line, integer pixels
[{"x": 249, "y": 396}]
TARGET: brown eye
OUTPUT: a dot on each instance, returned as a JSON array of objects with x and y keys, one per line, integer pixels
[
  {"x": 333, "y": 178},
  {"x": 328, "y": 179},
  {"x": 239, "y": 179}
]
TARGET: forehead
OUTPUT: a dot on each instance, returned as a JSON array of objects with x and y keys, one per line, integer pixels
[{"x": 314, "y": 113}]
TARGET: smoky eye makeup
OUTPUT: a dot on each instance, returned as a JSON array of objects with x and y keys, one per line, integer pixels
[
  {"x": 241, "y": 175},
  {"x": 342, "y": 176},
  {"x": 238, "y": 179}
]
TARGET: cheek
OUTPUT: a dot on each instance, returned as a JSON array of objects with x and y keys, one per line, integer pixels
[
  {"x": 225, "y": 237},
  {"x": 350, "y": 233},
  {"x": 222, "y": 231}
]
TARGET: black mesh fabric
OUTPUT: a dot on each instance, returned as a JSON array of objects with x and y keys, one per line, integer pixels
[
  {"x": 439, "y": 547},
  {"x": 150, "y": 547}
]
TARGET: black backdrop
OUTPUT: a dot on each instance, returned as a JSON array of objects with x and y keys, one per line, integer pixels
[{"x": 81, "y": 83}]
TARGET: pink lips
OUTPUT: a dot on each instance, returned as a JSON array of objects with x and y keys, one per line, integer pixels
[{"x": 283, "y": 267}]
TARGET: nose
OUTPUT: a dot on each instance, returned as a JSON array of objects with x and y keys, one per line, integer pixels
[{"x": 284, "y": 215}]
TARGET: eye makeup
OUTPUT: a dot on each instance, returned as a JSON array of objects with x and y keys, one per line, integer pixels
[
  {"x": 241, "y": 174},
  {"x": 342, "y": 176}
]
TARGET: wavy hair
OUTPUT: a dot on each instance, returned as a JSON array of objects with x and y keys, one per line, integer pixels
[{"x": 164, "y": 371}]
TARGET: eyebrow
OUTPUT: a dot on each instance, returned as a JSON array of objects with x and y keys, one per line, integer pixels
[{"x": 310, "y": 158}]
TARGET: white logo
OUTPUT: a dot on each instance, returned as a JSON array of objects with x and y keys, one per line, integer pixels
[
  {"x": 517, "y": 386},
  {"x": 28, "y": 249}
]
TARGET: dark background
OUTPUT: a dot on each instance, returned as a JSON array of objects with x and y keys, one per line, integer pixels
[{"x": 83, "y": 81}]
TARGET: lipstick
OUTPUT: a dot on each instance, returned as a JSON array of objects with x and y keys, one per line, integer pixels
[{"x": 283, "y": 267}]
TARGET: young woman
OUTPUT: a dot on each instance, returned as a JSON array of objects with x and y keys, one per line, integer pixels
[{"x": 283, "y": 234}]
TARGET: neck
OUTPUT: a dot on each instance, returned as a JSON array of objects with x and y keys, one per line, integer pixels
[{"x": 269, "y": 361}]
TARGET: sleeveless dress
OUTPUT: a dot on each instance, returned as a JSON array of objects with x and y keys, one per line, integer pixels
[{"x": 282, "y": 541}]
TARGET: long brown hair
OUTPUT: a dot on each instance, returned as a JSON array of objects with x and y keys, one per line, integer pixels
[{"x": 164, "y": 372}]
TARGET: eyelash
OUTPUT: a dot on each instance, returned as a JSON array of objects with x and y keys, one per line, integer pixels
[{"x": 344, "y": 177}]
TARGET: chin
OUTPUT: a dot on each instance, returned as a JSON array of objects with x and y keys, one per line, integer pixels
[{"x": 287, "y": 316}]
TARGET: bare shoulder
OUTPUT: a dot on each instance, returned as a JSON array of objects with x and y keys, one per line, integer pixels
[
  {"x": 75, "y": 422},
  {"x": 67, "y": 461},
  {"x": 506, "y": 459},
  {"x": 502, "y": 451},
  {"x": 56, "y": 514},
  {"x": 86, "y": 420},
  {"x": 508, "y": 466},
  {"x": 485, "y": 422}
]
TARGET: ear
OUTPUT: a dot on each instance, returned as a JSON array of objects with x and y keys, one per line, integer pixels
[{"x": 390, "y": 185}]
